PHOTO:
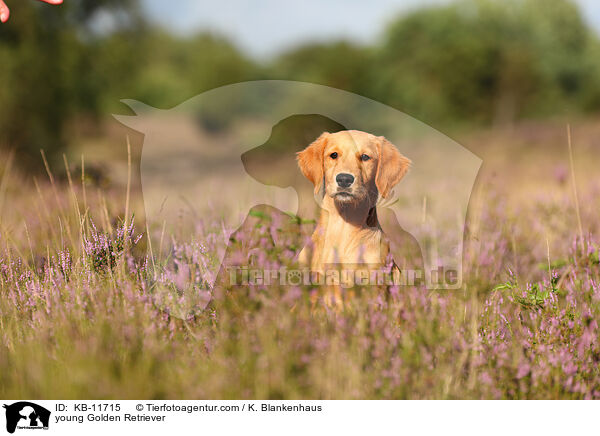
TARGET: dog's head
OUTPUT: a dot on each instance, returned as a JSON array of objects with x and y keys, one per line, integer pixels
[{"x": 354, "y": 166}]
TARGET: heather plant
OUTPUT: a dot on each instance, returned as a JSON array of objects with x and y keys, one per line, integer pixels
[
  {"x": 104, "y": 249},
  {"x": 96, "y": 311},
  {"x": 545, "y": 334}
]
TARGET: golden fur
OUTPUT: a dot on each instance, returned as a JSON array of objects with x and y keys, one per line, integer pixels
[{"x": 348, "y": 231}]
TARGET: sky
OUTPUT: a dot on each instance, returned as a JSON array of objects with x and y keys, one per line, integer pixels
[{"x": 265, "y": 28}]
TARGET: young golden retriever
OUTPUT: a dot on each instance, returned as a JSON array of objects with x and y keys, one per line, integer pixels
[{"x": 353, "y": 169}]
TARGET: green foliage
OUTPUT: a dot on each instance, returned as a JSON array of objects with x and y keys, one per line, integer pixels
[
  {"x": 45, "y": 72},
  {"x": 339, "y": 64},
  {"x": 471, "y": 62},
  {"x": 490, "y": 61},
  {"x": 198, "y": 63},
  {"x": 532, "y": 297}
]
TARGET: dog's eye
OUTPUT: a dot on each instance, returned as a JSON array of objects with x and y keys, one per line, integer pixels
[
  {"x": 333, "y": 155},
  {"x": 364, "y": 157}
]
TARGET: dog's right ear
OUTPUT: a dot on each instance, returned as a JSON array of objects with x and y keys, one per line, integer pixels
[
  {"x": 310, "y": 161},
  {"x": 391, "y": 167}
]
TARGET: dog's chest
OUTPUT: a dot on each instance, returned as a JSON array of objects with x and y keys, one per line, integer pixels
[{"x": 343, "y": 246}]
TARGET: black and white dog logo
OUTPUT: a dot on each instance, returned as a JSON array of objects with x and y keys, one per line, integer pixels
[{"x": 26, "y": 415}]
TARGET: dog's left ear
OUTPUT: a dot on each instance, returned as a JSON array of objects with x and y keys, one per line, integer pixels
[
  {"x": 391, "y": 166},
  {"x": 310, "y": 161}
]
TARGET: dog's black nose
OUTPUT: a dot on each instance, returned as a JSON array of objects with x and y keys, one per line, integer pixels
[{"x": 344, "y": 180}]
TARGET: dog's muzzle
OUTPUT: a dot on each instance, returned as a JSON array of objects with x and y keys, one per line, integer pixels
[{"x": 344, "y": 180}]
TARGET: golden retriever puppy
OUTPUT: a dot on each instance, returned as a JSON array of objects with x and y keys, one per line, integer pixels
[{"x": 352, "y": 170}]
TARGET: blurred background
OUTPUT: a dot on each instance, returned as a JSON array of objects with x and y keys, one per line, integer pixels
[
  {"x": 493, "y": 75},
  {"x": 503, "y": 78}
]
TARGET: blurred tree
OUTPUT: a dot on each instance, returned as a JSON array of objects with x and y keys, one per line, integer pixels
[
  {"x": 45, "y": 71},
  {"x": 339, "y": 64},
  {"x": 467, "y": 62},
  {"x": 176, "y": 69},
  {"x": 489, "y": 61}
]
